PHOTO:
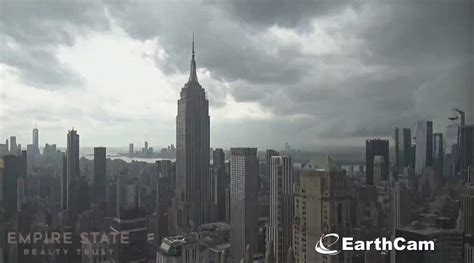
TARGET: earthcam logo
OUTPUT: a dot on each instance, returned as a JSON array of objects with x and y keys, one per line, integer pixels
[
  {"x": 324, "y": 249},
  {"x": 379, "y": 244}
]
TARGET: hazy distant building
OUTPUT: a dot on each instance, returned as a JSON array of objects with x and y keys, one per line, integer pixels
[
  {"x": 424, "y": 145},
  {"x": 403, "y": 149},
  {"x": 243, "y": 191},
  {"x": 374, "y": 148},
  {"x": 130, "y": 150},
  {"x": 4, "y": 149},
  {"x": 452, "y": 149},
  {"x": 281, "y": 206},
  {"x": 13, "y": 146},
  {"x": 322, "y": 205},
  {"x": 99, "y": 174},
  {"x": 438, "y": 153},
  {"x": 192, "y": 195},
  {"x": 72, "y": 163},
  {"x": 36, "y": 141}
]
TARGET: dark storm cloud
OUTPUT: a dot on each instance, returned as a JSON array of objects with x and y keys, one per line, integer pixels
[
  {"x": 222, "y": 45},
  {"x": 294, "y": 14},
  {"x": 33, "y": 31},
  {"x": 395, "y": 61}
]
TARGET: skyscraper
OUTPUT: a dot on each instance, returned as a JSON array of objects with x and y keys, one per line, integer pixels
[
  {"x": 438, "y": 153},
  {"x": 99, "y": 174},
  {"x": 452, "y": 149},
  {"x": 36, "y": 140},
  {"x": 322, "y": 205},
  {"x": 192, "y": 195},
  {"x": 243, "y": 191},
  {"x": 13, "y": 146},
  {"x": 72, "y": 163},
  {"x": 281, "y": 206},
  {"x": 424, "y": 145},
  {"x": 403, "y": 149},
  {"x": 372, "y": 149},
  {"x": 269, "y": 153}
]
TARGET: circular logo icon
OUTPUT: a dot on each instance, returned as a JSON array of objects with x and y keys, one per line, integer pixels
[{"x": 324, "y": 249}]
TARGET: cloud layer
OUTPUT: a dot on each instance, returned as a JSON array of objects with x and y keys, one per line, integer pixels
[{"x": 311, "y": 73}]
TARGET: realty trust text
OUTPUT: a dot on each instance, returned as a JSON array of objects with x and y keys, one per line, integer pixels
[{"x": 67, "y": 238}]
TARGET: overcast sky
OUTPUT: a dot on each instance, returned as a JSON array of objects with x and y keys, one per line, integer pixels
[{"x": 312, "y": 73}]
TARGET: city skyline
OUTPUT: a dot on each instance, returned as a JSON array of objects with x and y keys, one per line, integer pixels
[
  {"x": 310, "y": 78},
  {"x": 254, "y": 151}
]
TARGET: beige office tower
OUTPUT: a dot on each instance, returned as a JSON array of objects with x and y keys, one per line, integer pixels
[{"x": 322, "y": 206}]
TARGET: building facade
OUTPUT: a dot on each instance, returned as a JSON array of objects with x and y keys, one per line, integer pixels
[
  {"x": 280, "y": 227},
  {"x": 192, "y": 194},
  {"x": 243, "y": 191},
  {"x": 322, "y": 205}
]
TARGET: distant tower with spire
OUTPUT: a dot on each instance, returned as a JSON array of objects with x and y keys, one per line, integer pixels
[{"x": 191, "y": 204}]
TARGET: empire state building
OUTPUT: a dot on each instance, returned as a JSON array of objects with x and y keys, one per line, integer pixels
[{"x": 192, "y": 194}]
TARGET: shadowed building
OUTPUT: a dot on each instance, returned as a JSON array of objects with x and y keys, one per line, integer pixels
[
  {"x": 243, "y": 191},
  {"x": 403, "y": 149},
  {"x": 14, "y": 168},
  {"x": 192, "y": 194},
  {"x": 374, "y": 148},
  {"x": 466, "y": 151},
  {"x": 72, "y": 163},
  {"x": 424, "y": 146},
  {"x": 99, "y": 174},
  {"x": 221, "y": 181},
  {"x": 438, "y": 153}
]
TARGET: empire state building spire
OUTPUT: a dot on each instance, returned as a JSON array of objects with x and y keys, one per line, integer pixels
[{"x": 192, "y": 72}]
